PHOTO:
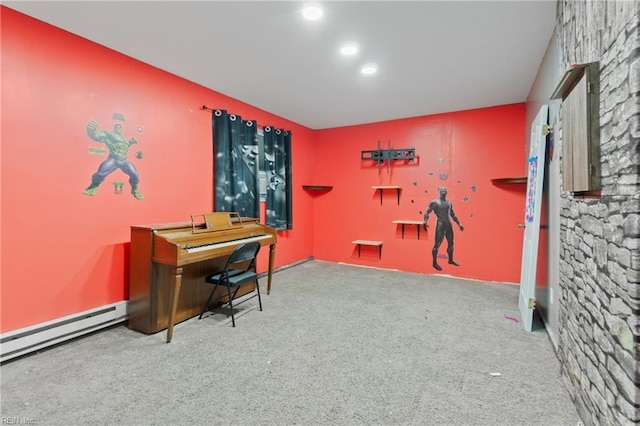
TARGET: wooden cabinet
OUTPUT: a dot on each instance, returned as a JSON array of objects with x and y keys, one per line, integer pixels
[{"x": 579, "y": 91}]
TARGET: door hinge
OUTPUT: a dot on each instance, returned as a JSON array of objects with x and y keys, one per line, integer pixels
[
  {"x": 546, "y": 129},
  {"x": 532, "y": 303}
]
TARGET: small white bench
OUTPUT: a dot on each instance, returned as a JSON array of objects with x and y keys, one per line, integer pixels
[{"x": 361, "y": 243}]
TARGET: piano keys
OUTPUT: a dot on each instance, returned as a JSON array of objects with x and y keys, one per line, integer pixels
[
  {"x": 206, "y": 247},
  {"x": 170, "y": 261}
]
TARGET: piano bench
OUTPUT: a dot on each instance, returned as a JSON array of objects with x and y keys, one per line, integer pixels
[{"x": 372, "y": 243}]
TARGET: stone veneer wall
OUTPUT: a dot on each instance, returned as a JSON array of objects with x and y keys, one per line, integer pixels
[{"x": 599, "y": 308}]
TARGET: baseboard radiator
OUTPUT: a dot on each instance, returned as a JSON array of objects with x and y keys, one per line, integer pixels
[
  {"x": 30, "y": 339},
  {"x": 40, "y": 336}
]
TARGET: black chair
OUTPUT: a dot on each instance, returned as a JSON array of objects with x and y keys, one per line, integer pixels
[{"x": 234, "y": 275}]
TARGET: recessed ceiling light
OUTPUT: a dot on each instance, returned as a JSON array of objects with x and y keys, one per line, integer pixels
[
  {"x": 369, "y": 69},
  {"x": 349, "y": 49},
  {"x": 312, "y": 12}
]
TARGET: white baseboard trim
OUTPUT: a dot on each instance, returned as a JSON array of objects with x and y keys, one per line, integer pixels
[
  {"x": 40, "y": 336},
  {"x": 30, "y": 339},
  {"x": 287, "y": 266}
]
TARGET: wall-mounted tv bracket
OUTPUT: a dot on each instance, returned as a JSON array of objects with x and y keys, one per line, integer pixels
[{"x": 381, "y": 155}]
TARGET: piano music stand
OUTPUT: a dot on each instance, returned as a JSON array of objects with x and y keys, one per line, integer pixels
[{"x": 216, "y": 221}]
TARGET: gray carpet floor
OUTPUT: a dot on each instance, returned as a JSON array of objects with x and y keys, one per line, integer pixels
[{"x": 335, "y": 345}]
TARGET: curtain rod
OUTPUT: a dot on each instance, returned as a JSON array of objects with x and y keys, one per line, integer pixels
[{"x": 259, "y": 126}]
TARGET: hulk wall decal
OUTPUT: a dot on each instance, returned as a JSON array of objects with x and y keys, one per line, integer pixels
[{"x": 118, "y": 147}]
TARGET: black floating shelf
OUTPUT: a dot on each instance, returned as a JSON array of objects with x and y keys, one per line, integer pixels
[
  {"x": 509, "y": 180},
  {"x": 317, "y": 187}
]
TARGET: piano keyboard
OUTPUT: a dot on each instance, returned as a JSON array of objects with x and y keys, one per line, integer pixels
[{"x": 205, "y": 247}]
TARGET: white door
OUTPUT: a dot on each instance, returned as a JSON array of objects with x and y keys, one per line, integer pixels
[{"x": 533, "y": 203}]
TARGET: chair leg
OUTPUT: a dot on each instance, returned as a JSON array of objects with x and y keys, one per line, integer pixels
[
  {"x": 233, "y": 320},
  {"x": 258, "y": 290},
  {"x": 235, "y": 292},
  {"x": 206, "y": 305}
]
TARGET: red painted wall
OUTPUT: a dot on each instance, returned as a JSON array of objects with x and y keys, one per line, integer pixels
[
  {"x": 62, "y": 251},
  {"x": 462, "y": 151}
]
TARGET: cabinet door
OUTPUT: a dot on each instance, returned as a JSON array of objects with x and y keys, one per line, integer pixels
[
  {"x": 575, "y": 152},
  {"x": 579, "y": 90}
]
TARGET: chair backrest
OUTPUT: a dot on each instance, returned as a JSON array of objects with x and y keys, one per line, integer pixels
[{"x": 244, "y": 252}]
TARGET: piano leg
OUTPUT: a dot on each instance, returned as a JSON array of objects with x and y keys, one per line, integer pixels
[
  {"x": 272, "y": 256},
  {"x": 173, "y": 300}
]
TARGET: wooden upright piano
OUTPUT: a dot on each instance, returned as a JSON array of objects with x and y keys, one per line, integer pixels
[{"x": 169, "y": 263}]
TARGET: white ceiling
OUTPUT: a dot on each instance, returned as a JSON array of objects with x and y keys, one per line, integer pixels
[{"x": 433, "y": 56}]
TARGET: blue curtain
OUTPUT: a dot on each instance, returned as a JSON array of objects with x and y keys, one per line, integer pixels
[
  {"x": 235, "y": 159},
  {"x": 277, "y": 152}
]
